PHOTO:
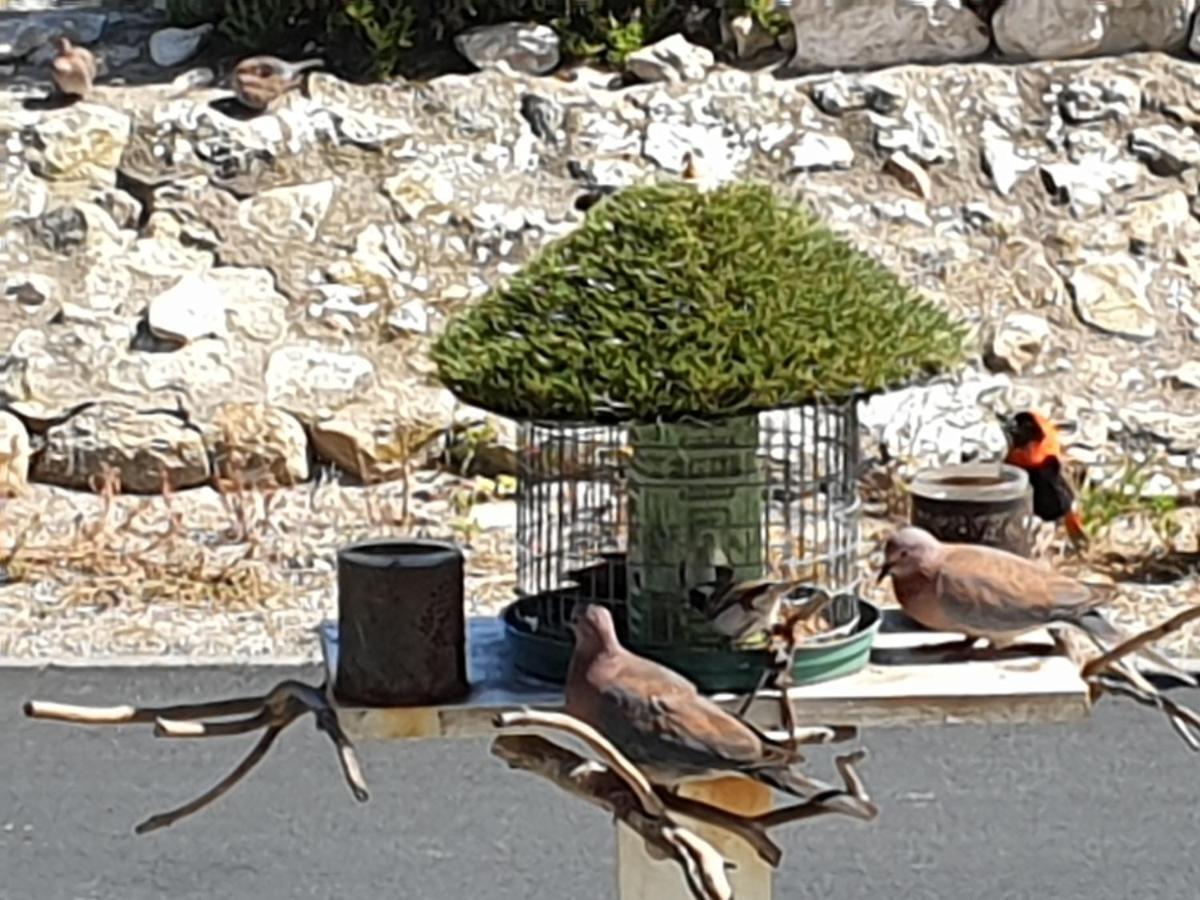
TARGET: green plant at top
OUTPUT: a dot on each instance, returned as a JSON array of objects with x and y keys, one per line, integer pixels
[
  {"x": 186, "y": 13},
  {"x": 263, "y": 25},
  {"x": 671, "y": 301},
  {"x": 764, "y": 13},
  {"x": 389, "y": 27}
]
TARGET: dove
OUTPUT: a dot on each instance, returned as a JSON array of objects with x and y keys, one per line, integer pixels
[
  {"x": 259, "y": 80},
  {"x": 1033, "y": 446},
  {"x": 659, "y": 719},
  {"x": 990, "y": 593},
  {"x": 73, "y": 69}
]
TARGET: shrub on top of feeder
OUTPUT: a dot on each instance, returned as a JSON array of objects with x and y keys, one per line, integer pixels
[{"x": 671, "y": 302}]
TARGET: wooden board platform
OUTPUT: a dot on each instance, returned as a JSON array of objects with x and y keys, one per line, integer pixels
[{"x": 906, "y": 683}]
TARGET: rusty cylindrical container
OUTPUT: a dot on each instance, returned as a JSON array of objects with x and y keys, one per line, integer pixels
[
  {"x": 975, "y": 503},
  {"x": 401, "y": 626}
]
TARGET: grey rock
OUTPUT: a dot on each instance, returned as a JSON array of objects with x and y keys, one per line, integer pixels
[
  {"x": 532, "y": 49},
  {"x": 20, "y": 35},
  {"x": 1057, "y": 29},
  {"x": 673, "y": 59},
  {"x": 145, "y": 447},
  {"x": 22, "y": 196},
  {"x": 884, "y": 32},
  {"x": 845, "y": 93},
  {"x": 172, "y": 46},
  {"x": 915, "y": 132},
  {"x": 749, "y": 37}
]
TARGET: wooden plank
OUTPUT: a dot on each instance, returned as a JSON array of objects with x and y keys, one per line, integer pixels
[{"x": 906, "y": 683}]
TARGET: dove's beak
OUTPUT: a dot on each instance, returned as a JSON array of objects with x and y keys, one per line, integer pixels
[{"x": 884, "y": 571}]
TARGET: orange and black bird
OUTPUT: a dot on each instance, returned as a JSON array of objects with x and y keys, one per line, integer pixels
[{"x": 1033, "y": 445}]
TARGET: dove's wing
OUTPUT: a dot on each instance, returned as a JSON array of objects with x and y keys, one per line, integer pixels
[
  {"x": 990, "y": 591},
  {"x": 657, "y": 717}
]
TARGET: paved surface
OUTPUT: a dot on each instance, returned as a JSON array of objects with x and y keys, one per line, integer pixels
[{"x": 1103, "y": 810}]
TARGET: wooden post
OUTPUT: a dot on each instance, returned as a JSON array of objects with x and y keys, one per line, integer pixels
[{"x": 640, "y": 877}]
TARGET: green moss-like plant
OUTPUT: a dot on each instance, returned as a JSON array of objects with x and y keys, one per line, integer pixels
[{"x": 670, "y": 302}]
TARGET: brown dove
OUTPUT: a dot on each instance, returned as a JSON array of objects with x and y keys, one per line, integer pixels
[
  {"x": 73, "y": 69},
  {"x": 985, "y": 592},
  {"x": 259, "y": 80},
  {"x": 659, "y": 720}
]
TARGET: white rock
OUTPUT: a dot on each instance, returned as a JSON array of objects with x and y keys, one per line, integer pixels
[
  {"x": 1054, "y": 29},
  {"x": 312, "y": 381},
  {"x": 171, "y": 46},
  {"x": 531, "y": 49},
  {"x": 1165, "y": 149},
  {"x": 884, "y": 32},
  {"x": 412, "y": 316},
  {"x": 14, "y": 455},
  {"x": 1018, "y": 341},
  {"x": 295, "y": 212},
  {"x": 1003, "y": 162},
  {"x": 672, "y": 59},
  {"x": 821, "y": 151},
  {"x": 1110, "y": 294},
  {"x": 189, "y": 310}
]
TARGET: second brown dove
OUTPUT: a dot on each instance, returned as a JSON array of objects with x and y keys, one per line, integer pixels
[
  {"x": 73, "y": 69},
  {"x": 260, "y": 80},
  {"x": 660, "y": 720},
  {"x": 984, "y": 592}
]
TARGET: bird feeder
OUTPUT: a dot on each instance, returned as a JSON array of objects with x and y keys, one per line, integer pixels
[{"x": 686, "y": 367}]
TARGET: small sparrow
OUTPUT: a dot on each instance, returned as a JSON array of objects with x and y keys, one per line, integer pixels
[
  {"x": 73, "y": 69},
  {"x": 259, "y": 80},
  {"x": 740, "y": 610}
]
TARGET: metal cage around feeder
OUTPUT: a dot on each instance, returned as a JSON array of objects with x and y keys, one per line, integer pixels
[{"x": 604, "y": 513}]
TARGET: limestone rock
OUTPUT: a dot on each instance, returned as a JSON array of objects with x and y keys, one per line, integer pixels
[
  {"x": 14, "y": 455},
  {"x": 1156, "y": 227},
  {"x": 1057, "y": 29},
  {"x": 171, "y": 46},
  {"x": 1018, "y": 342},
  {"x": 257, "y": 446},
  {"x": 374, "y": 439},
  {"x": 1110, "y": 294},
  {"x": 22, "y": 196},
  {"x": 292, "y": 213},
  {"x": 749, "y": 37},
  {"x": 312, "y": 382},
  {"x": 145, "y": 448},
  {"x": 672, "y": 59},
  {"x": 83, "y": 141},
  {"x": 189, "y": 310},
  {"x": 532, "y": 49},
  {"x": 884, "y": 32}
]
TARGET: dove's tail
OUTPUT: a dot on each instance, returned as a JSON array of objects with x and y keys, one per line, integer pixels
[{"x": 1105, "y": 631}]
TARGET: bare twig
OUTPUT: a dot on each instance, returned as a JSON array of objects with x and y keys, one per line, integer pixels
[
  {"x": 1141, "y": 639},
  {"x": 273, "y": 711}
]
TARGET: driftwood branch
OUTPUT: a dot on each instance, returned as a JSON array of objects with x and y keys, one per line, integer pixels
[
  {"x": 627, "y": 793},
  {"x": 273, "y": 711},
  {"x": 653, "y": 812},
  {"x": 1112, "y": 673}
]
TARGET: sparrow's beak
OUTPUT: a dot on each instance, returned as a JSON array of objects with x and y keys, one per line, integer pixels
[{"x": 884, "y": 571}]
